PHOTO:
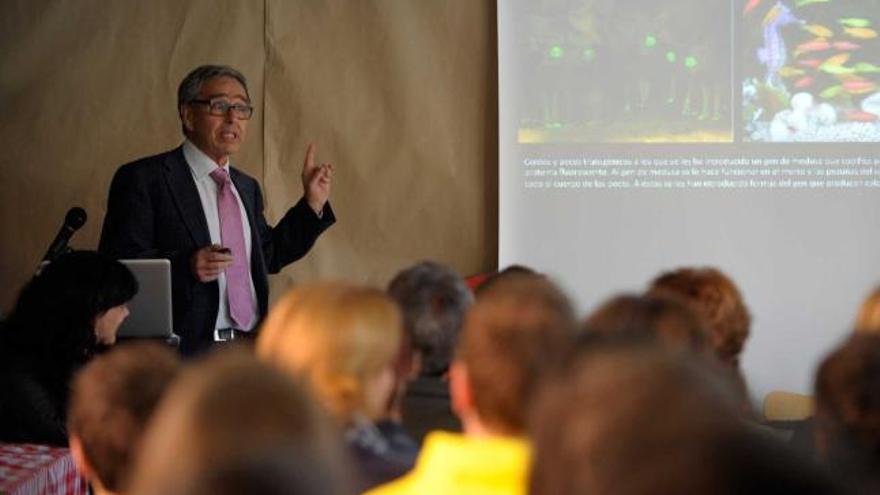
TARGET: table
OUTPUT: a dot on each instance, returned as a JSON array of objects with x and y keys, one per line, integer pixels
[{"x": 27, "y": 469}]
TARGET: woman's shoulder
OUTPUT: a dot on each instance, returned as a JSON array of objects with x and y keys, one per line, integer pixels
[{"x": 29, "y": 411}]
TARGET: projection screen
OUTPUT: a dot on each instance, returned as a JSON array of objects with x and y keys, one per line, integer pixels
[{"x": 641, "y": 136}]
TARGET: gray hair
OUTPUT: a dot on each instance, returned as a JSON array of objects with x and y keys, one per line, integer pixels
[
  {"x": 191, "y": 85},
  {"x": 433, "y": 299}
]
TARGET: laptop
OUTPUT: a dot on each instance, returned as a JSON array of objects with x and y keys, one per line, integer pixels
[{"x": 150, "y": 311}]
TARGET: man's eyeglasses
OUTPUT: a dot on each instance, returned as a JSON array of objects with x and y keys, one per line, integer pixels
[{"x": 222, "y": 107}]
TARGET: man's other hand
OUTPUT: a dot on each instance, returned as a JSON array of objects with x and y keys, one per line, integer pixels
[{"x": 209, "y": 262}]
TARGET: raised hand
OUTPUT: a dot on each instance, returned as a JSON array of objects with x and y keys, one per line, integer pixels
[{"x": 316, "y": 180}]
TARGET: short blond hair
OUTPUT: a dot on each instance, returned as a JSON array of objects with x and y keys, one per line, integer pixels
[{"x": 334, "y": 337}]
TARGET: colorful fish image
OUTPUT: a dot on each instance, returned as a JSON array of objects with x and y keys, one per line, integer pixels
[
  {"x": 854, "y": 22},
  {"x": 751, "y": 6},
  {"x": 818, "y": 30},
  {"x": 816, "y": 45},
  {"x": 804, "y": 82},
  {"x": 810, "y": 62},
  {"x": 811, "y": 71},
  {"x": 845, "y": 45},
  {"x": 861, "y": 32},
  {"x": 790, "y": 72},
  {"x": 866, "y": 67}
]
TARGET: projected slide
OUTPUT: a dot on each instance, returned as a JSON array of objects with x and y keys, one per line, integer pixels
[
  {"x": 637, "y": 136},
  {"x": 698, "y": 88}
]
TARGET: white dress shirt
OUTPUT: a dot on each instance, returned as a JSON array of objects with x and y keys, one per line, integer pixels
[{"x": 201, "y": 167}]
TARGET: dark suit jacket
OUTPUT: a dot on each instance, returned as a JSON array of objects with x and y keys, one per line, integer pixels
[
  {"x": 427, "y": 407},
  {"x": 154, "y": 211}
]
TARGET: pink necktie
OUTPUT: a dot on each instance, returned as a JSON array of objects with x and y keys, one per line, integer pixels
[{"x": 238, "y": 287}]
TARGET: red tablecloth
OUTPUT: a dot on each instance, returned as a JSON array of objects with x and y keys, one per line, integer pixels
[{"x": 38, "y": 469}]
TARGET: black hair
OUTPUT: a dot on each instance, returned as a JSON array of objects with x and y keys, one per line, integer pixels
[{"x": 51, "y": 328}]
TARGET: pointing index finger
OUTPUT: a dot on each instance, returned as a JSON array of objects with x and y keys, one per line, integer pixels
[{"x": 310, "y": 157}]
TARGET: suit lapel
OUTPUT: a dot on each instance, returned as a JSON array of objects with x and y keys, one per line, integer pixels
[{"x": 186, "y": 197}]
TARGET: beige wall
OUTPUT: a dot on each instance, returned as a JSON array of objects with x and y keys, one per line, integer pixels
[{"x": 399, "y": 95}]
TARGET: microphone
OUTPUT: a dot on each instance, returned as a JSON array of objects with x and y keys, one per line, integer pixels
[{"x": 75, "y": 218}]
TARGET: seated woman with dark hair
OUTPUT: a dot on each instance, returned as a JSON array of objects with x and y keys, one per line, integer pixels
[{"x": 61, "y": 318}]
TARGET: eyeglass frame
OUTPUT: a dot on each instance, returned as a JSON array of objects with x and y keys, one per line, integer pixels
[{"x": 235, "y": 107}]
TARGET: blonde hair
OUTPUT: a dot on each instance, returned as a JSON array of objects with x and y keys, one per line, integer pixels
[
  {"x": 868, "y": 319},
  {"x": 335, "y": 338}
]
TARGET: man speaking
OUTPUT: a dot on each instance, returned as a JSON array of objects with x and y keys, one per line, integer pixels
[{"x": 191, "y": 206}]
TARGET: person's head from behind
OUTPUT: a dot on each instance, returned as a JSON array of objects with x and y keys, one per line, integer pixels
[
  {"x": 635, "y": 419},
  {"x": 514, "y": 330},
  {"x": 499, "y": 276},
  {"x": 226, "y": 410},
  {"x": 75, "y": 304},
  {"x": 847, "y": 421},
  {"x": 214, "y": 107},
  {"x": 716, "y": 298},
  {"x": 274, "y": 471},
  {"x": 341, "y": 341},
  {"x": 659, "y": 318},
  {"x": 868, "y": 319},
  {"x": 433, "y": 299},
  {"x": 112, "y": 399}
]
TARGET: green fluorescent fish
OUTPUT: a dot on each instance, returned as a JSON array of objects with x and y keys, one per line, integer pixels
[
  {"x": 831, "y": 92},
  {"x": 836, "y": 70},
  {"x": 801, "y": 3},
  {"x": 856, "y": 22},
  {"x": 866, "y": 67}
]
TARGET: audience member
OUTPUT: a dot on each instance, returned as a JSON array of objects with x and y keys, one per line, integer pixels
[
  {"x": 62, "y": 317},
  {"x": 635, "y": 419},
  {"x": 514, "y": 330},
  {"x": 716, "y": 298},
  {"x": 513, "y": 270},
  {"x": 868, "y": 319},
  {"x": 342, "y": 341},
  {"x": 662, "y": 318},
  {"x": 111, "y": 401},
  {"x": 278, "y": 471},
  {"x": 231, "y": 410},
  {"x": 433, "y": 299},
  {"x": 847, "y": 421}
]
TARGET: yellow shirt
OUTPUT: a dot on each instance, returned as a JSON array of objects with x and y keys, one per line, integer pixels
[{"x": 455, "y": 464}]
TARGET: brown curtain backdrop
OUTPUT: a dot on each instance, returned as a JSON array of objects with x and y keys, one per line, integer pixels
[{"x": 399, "y": 95}]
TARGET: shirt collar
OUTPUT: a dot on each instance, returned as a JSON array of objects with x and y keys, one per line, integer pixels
[{"x": 199, "y": 163}]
